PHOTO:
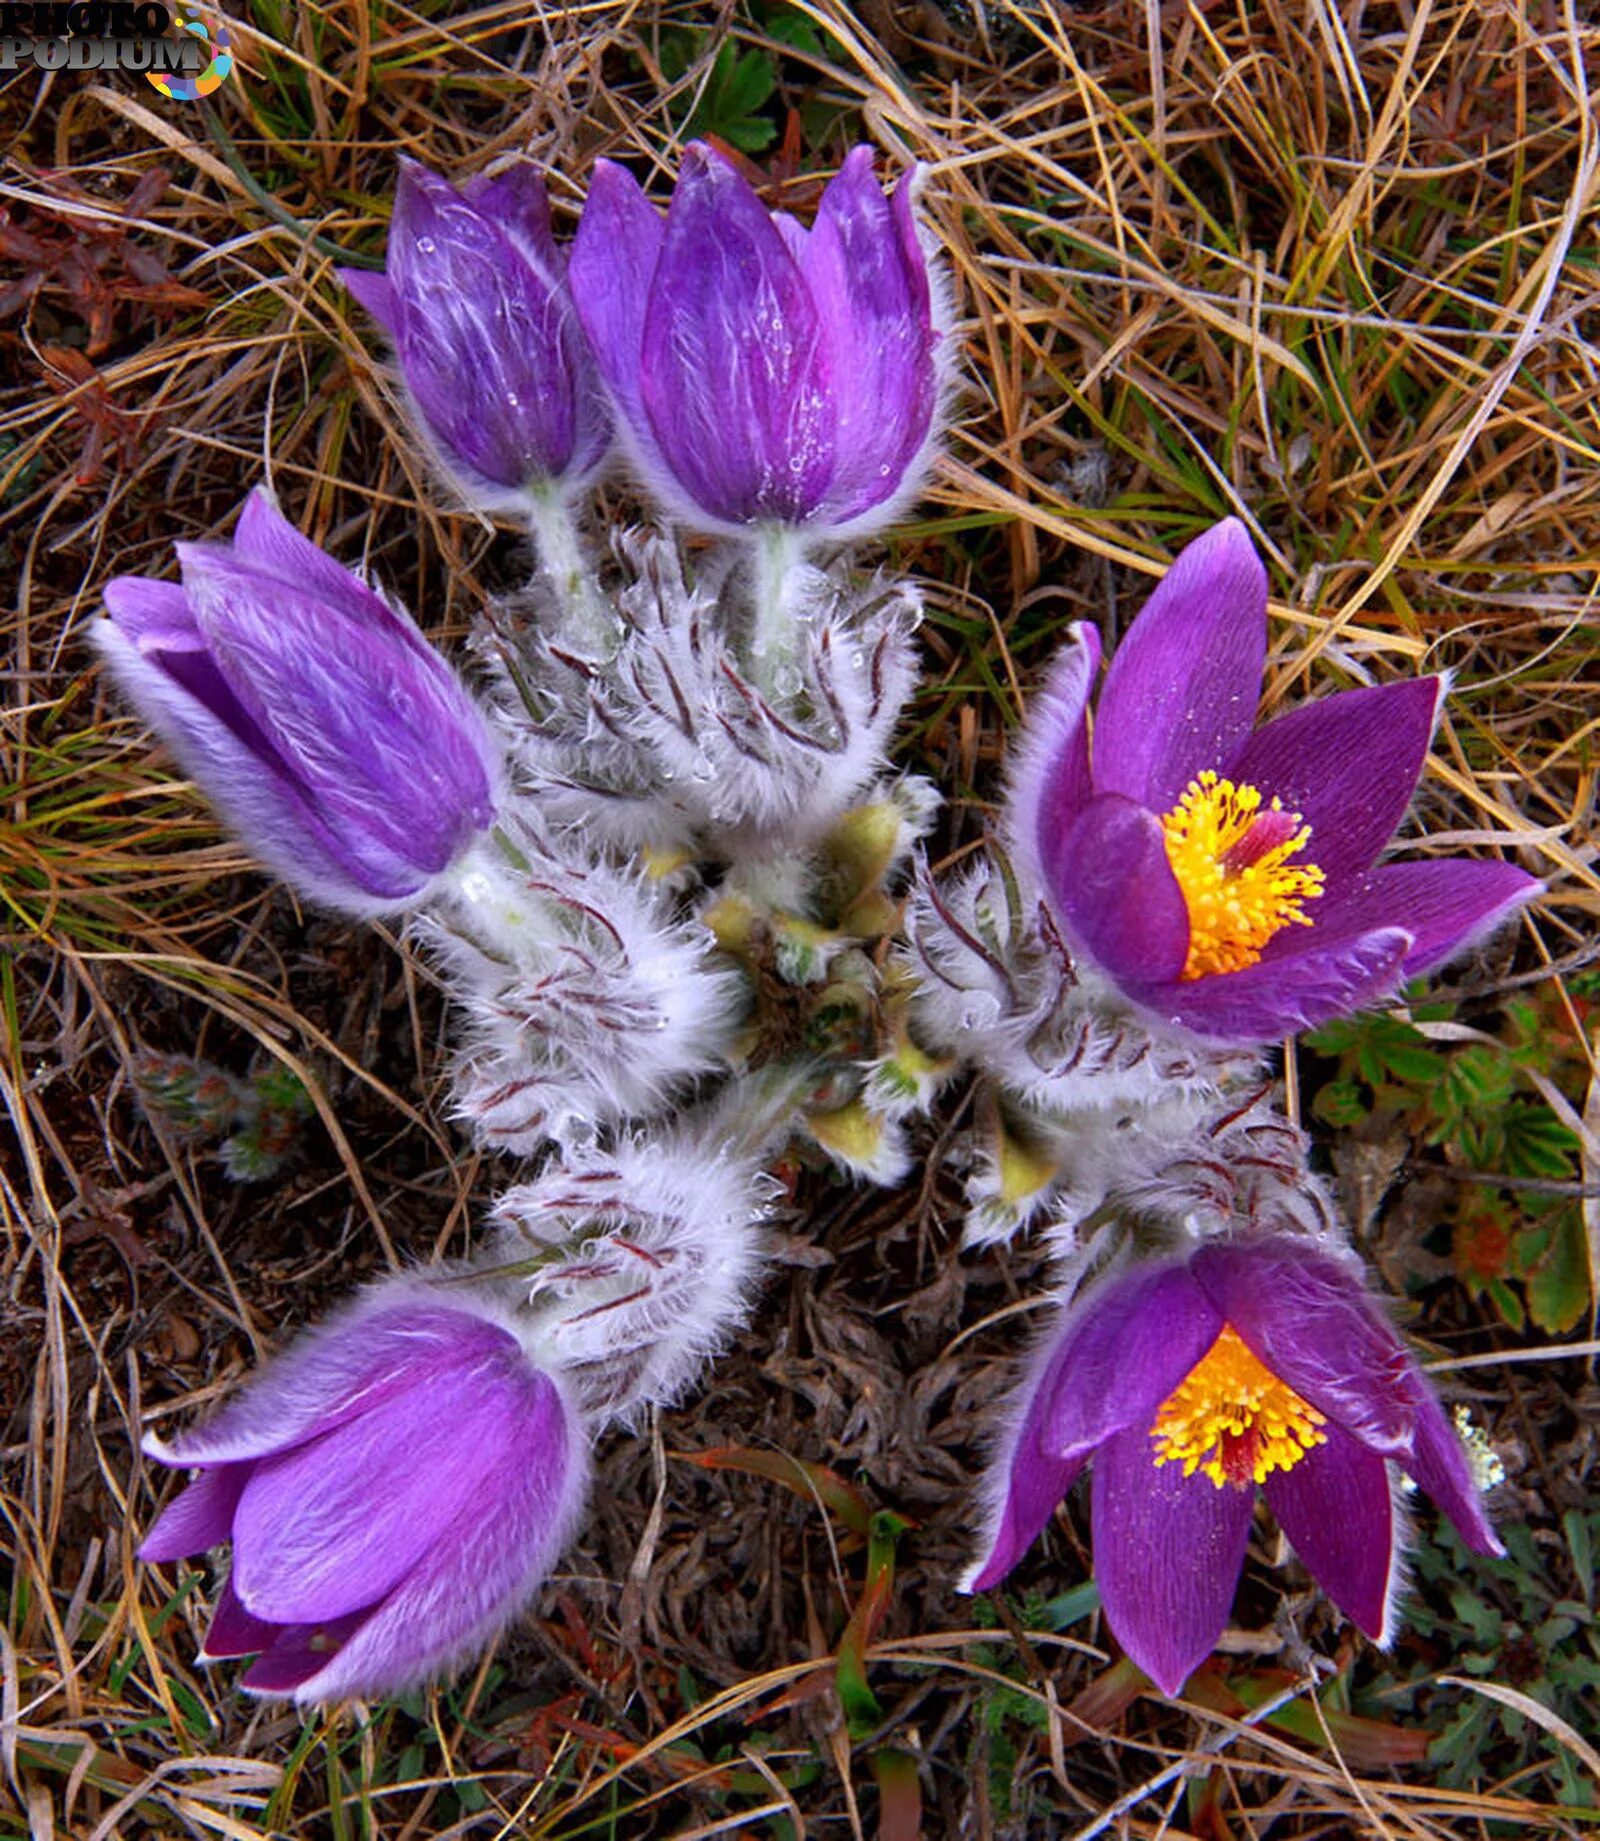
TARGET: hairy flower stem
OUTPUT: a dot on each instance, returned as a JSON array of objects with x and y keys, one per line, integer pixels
[
  {"x": 588, "y": 620},
  {"x": 776, "y": 562},
  {"x": 486, "y": 892}
]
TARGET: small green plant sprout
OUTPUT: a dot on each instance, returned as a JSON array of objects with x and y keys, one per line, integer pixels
[
  {"x": 736, "y": 97},
  {"x": 255, "y": 1122},
  {"x": 1525, "y": 1626}
]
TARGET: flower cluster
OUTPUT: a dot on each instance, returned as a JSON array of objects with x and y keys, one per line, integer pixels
[{"x": 654, "y": 846}]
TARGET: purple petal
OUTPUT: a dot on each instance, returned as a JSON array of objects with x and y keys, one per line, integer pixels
[
  {"x": 733, "y": 374},
  {"x": 612, "y": 263},
  {"x": 794, "y": 233},
  {"x": 298, "y": 1653},
  {"x": 374, "y": 292},
  {"x": 1287, "y": 991},
  {"x": 387, "y": 747},
  {"x": 1123, "y": 1350},
  {"x": 264, "y": 538},
  {"x": 222, "y": 748},
  {"x": 385, "y": 1342},
  {"x": 199, "y": 1517},
  {"x": 1337, "y": 1509},
  {"x": 870, "y": 288},
  {"x": 1115, "y": 1358},
  {"x": 1112, "y": 882},
  {"x": 234, "y": 1632},
  {"x": 1168, "y": 1550},
  {"x": 1310, "y": 1320},
  {"x": 1034, "y": 1483},
  {"x": 1184, "y": 684},
  {"x": 498, "y": 1551},
  {"x": 493, "y": 364},
  {"x": 340, "y": 1521},
  {"x": 1050, "y": 766},
  {"x": 516, "y": 201},
  {"x": 1348, "y": 764},
  {"x": 1443, "y": 905},
  {"x": 1438, "y": 1464},
  {"x": 152, "y": 614}
]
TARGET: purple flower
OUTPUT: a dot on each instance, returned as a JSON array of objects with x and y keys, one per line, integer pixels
[
  {"x": 395, "y": 1486},
  {"x": 475, "y": 299},
  {"x": 762, "y": 373},
  {"x": 1223, "y": 875},
  {"x": 321, "y": 723},
  {"x": 1189, "y": 1383}
]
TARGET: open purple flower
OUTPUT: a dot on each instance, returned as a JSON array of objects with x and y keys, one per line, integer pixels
[
  {"x": 322, "y": 724},
  {"x": 1188, "y": 1384},
  {"x": 1223, "y": 875},
  {"x": 395, "y": 1486},
  {"x": 763, "y": 373},
  {"x": 475, "y": 298}
]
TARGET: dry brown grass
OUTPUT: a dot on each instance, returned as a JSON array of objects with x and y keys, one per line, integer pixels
[{"x": 1327, "y": 265}]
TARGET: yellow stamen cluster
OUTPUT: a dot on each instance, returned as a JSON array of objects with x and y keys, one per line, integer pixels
[
  {"x": 1233, "y": 1420},
  {"x": 1239, "y": 889}
]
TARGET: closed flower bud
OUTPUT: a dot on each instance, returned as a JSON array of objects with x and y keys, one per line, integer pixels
[
  {"x": 320, "y": 722},
  {"x": 500, "y": 378},
  {"x": 395, "y": 1487},
  {"x": 763, "y": 373}
]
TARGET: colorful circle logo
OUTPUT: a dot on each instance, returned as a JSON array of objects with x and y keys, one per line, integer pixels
[{"x": 215, "y": 74}]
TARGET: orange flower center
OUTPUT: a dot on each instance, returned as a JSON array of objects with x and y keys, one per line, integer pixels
[
  {"x": 1233, "y": 1420},
  {"x": 1231, "y": 858}
]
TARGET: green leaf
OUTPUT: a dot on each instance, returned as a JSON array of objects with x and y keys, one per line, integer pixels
[
  {"x": 1481, "y": 1619},
  {"x": 1064, "y": 1609},
  {"x": 787, "y": 27},
  {"x": 1416, "y": 1065},
  {"x": 726, "y": 101},
  {"x": 282, "y": 1089},
  {"x": 1340, "y": 1104},
  {"x": 1507, "y": 1303},
  {"x": 861, "y": 1709},
  {"x": 1334, "y": 1039},
  {"x": 1477, "y": 1078},
  {"x": 1580, "y": 1544},
  {"x": 1537, "y": 1144},
  {"x": 1558, "y": 1288}
]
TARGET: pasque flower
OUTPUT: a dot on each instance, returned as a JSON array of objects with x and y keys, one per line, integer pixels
[
  {"x": 1223, "y": 875},
  {"x": 474, "y": 296},
  {"x": 1188, "y": 1383},
  {"x": 322, "y": 724},
  {"x": 763, "y": 373},
  {"x": 395, "y": 1486}
]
